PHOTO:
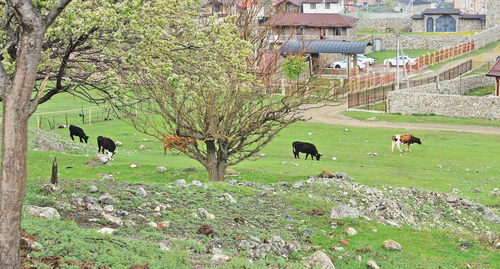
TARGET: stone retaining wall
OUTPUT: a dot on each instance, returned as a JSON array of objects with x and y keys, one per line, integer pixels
[
  {"x": 429, "y": 42},
  {"x": 382, "y": 24},
  {"x": 447, "y": 100}
]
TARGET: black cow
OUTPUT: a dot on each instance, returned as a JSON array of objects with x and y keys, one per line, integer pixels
[
  {"x": 306, "y": 148},
  {"x": 106, "y": 143},
  {"x": 77, "y": 131}
]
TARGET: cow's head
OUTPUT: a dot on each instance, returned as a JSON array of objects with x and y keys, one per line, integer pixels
[
  {"x": 318, "y": 156},
  {"x": 85, "y": 138},
  {"x": 110, "y": 155}
]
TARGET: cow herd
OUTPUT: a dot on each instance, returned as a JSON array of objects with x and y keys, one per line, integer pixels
[
  {"x": 104, "y": 143},
  {"x": 310, "y": 149}
]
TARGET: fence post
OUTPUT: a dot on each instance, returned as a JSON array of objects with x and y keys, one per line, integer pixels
[
  {"x": 37, "y": 121},
  {"x": 90, "y": 116},
  {"x": 283, "y": 92}
]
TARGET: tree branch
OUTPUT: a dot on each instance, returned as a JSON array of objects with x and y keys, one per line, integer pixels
[{"x": 58, "y": 8}]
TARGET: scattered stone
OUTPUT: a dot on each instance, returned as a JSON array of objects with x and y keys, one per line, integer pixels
[
  {"x": 196, "y": 183},
  {"x": 391, "y": 245},
  {"x": 262, "y": 155},
  {"x": 164, "y": 224},
  {"x": 43, "y": 212},
  {"x": 297, "y": 185},
  {"x": 51, "y": 189},
  {"x": 344, "y": 211},
  {"x": 477, "y": 190},
  {"x": 180, "y": 183},
  {"x": 319, "y": 258},
  {"x": 228, "y": 196},
  {"x": 152, "y": 224},
  {"x": 142, "y": 147},
  {"x": 133, "y": 165},
  {"x": 130, "y": 223},
  {"x": 164, "y": 247},
  {"x": 106, "y": 231},
  {"x": 338, "y": 249},
  {"x": 161, "y": 169},
  {"x": 118, "y": 144},
  {"x": 209, "y": 216},
  {"x": 220, "y": 257},
  {"x": 109, "y": 208},
  {"x": 372, "y": 264},
  {"x": 190, "y": 169},
  {"x": 112, "y": 219},
  {"x": 351, "y": 231},
  {"x": 141, "y": 192},
  {"x": 107, "y": 200},
  {"x": 490, "y": 216},
  {"x": 93, "y": 189},
  {"x": 231, "y": 172}
]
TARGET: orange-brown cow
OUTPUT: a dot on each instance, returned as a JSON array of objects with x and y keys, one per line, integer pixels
[
  {"x": 405, "y": 139},
  {"x": 179, "y": 141}
]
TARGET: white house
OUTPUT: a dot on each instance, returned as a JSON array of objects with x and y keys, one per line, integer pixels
[{"x": 323, "y": 6}]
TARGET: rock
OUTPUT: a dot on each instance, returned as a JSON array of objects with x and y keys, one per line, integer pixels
[
  {"x": 112, "y": 219},
  {"x": 130, "y": 223},
  {"x": 220, "y": 257},
  {"x": 78, "y": 201},
  {"x": 209, "y": 216},
  {"x": 93, "y": 189},
  {"x": 319, "y": 258},
  {"x": 339, "y": 249},
  {"x": 344, "y": 211},
  {"x": 452, "y": 199},
  {"x": 196, "y": 183},
  {"x": 164, "y": 224},
  {"x": 351, "y": 231},
  {"x": 262, "y": 155},
  {"x": 228, "y": 196},
  {"x": 109, "y": 208},
  {"x": 372, "y": 264},
  {"x": 51, "y": 189},
  {"x": 152, "y": 224},
  {"x": 106, "y": 231},
  {"x": 118, "y": 144},
  {"x": 161, "y": 169},
  {"x": 490, "y": 216},
  {"x": 141, "y": 192},
  {"x": 232, "y": 181},
  {"x": 107, "y": 200},
  {"x": 477, "y": 190},
  {"x": 104, "y": 159},
  {"x": 180, "y": 183},
  {"x": 164, "y": 247},
  {"x": 391, "y": 245},
  {"x": 142, "y": 147},
  {"x": 297, "y": 185},
  {"x": 231, "y": 172},
  {"x": 145, "y": 140},
  {"x": 133, "y": 165},
  {"x": 43, "y": 212},
  {"x": 334, "y": 158},
  {"x": 326, "y": 173}
]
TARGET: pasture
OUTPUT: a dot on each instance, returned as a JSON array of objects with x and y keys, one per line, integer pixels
[{"x": 445, "y": 162}]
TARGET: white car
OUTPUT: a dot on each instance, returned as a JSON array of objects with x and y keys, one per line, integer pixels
[
  {"x": 392, "y": 61},
  {"x": 343, "y": 64},
  {"x": 366, "y": 59}
]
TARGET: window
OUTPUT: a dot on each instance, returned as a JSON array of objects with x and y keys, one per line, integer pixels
[
  {"x": 313, "y": 6},
  {"x": 338, "y": 31},
  {"x": 327, "y": 5}
]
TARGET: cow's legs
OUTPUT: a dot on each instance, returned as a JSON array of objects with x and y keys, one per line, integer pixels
[
  {"x": 409, "y": 148},
  {"x": 393, "y": 143},
  {"x": 72, "y": 137},
  {"x": 81, "y": 140},
  {"x": 399, "y": 147}
]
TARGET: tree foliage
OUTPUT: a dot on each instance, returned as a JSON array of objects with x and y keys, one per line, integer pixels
[{"x": 295, "y": 66}]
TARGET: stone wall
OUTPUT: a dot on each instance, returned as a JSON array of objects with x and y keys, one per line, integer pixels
[
  {"x": 493, "y": 13},
  {"x": 470, "y": 25},
  {"x": 447, "y": 100},
  {"x": 429, "y": 42},
  {"x": 485, "y": 37},
  {"x": 382, "y": 24}
]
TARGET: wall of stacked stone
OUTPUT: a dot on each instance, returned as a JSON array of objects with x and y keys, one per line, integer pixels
[
  {"x": 447, "y": 100},
  {"x": 382, "y": 24},
  {"x": 429, "y": 42},
  {"x": 487, "y": 36},
  {"x": 471, "y": 25},
  {"x": 418, "y": 26},
  {"x": 493, "y": 13}
]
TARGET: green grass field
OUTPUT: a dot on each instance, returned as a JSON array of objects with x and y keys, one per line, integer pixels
[
  {"x": 445, "y": 161},
  {"x": 380, "y": 56}
]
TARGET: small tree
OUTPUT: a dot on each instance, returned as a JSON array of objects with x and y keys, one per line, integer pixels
[{"x": 294, "y": 67}]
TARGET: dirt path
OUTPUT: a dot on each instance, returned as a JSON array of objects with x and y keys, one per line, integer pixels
[{"x": 334, "y": 115}]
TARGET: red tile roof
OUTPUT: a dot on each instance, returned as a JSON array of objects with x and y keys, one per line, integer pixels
[
  {"x": 313, "y": 19},
  {"x": 495, "y": 70}
]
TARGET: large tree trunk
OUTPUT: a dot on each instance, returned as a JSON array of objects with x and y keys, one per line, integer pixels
[
  {"x": 217, "y": 161},
  {"x": 17, "y": 108}
]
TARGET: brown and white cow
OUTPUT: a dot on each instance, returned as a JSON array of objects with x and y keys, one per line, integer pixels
[
  {"x": 405, "y": 139},
  {"x": 179, "y": 141}
]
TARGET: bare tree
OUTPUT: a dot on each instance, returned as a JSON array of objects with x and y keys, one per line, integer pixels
[{"x": 32, "y": 20}]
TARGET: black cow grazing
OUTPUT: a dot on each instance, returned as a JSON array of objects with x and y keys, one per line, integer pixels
[
  {"x": 306, "y": 148},
  {"x": 106, "y": 143},
  {"x": 77, "y": 131}
]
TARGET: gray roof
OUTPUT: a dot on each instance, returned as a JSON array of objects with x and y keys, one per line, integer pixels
[
  {"x": 324, "y": 47},
  {"x": 439, "y": 11},
  {"x": 415, "y": 2}
]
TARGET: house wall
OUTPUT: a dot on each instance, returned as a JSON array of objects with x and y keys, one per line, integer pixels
[
  {"x": 471, "y": 25},
  {"x": 493, "y": 13},
  {"x": 320, "y": 8},
  {"x": 287, "y": 7},
  {"x": 447, "y": 99},
  {"x": 384, "y": 23}
]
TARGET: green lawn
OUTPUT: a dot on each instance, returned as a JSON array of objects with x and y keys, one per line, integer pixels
[
  {"x": 481, "y": 91},
  {"x": 380, "y": 56}
]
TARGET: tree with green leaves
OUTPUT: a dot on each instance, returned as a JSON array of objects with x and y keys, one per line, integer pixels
[
  {"x": 294, "y": 67},
  {"x": 24, "y": 24}
]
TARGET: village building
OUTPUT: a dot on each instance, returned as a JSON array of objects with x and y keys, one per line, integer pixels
[{"x": 447, "y": 20}]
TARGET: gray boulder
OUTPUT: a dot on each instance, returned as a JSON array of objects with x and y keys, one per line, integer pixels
[
  {"x": 43, "y": 212},
  {"x": 344, "y": 211}
]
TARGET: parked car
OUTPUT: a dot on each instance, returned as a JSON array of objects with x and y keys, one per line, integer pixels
[
  {"x": 392, "y": 61},
  {"x": 366, "y": 59},
  {"x": 343, "y": 64}
]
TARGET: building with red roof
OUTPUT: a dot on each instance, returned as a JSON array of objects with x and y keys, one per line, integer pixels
[{"x": 495, "y": 72}]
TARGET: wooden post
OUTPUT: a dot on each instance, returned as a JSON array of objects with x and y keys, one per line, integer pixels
[
  {"x": 283, "y": 91},
  {"x": 37, "y": 121},
  {"x": 90, "y": 116},
  {"x": 66, "y": 119},
  {"x": 53, "y": 180}
]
